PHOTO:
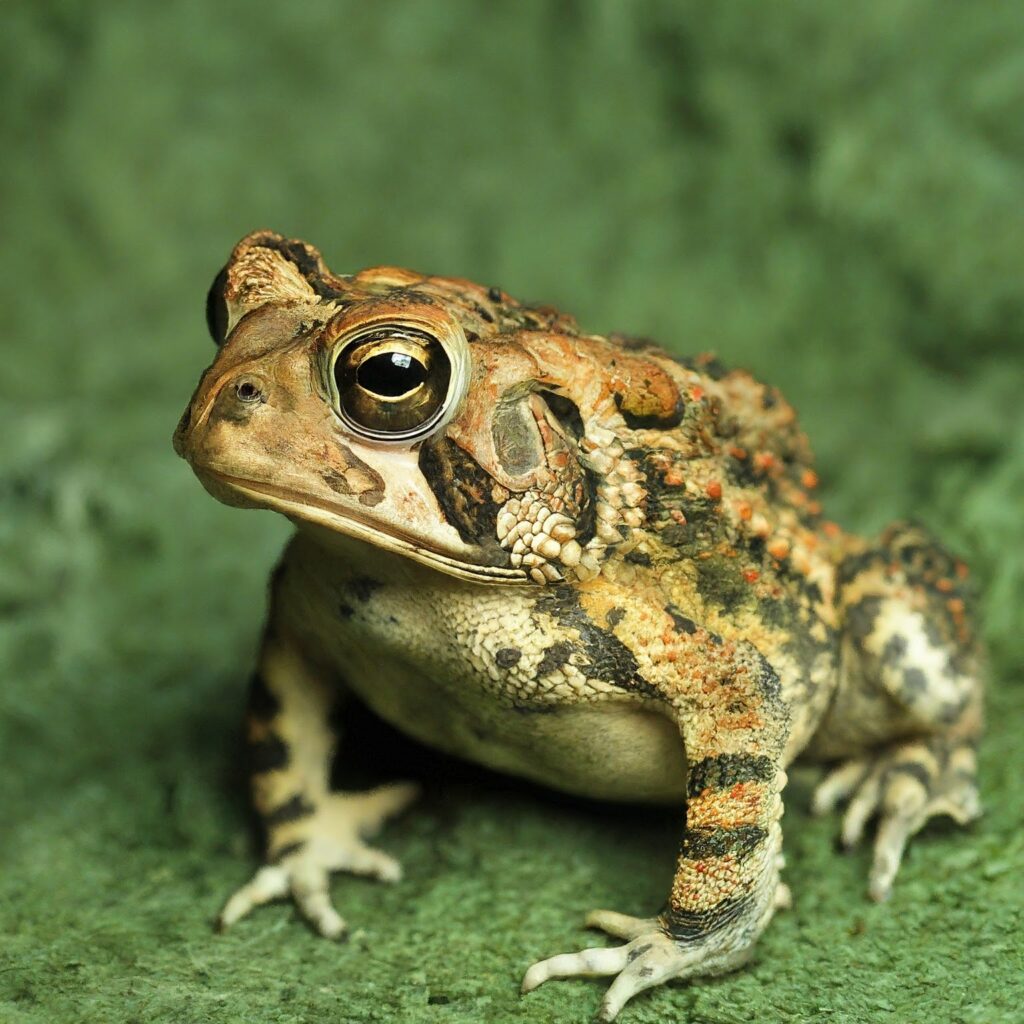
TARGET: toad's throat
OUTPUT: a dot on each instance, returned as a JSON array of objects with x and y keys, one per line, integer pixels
[{"x": 323, "y": 513}]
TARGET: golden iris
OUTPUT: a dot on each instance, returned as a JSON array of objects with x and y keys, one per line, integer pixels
[{"x": 392, "y": 381}]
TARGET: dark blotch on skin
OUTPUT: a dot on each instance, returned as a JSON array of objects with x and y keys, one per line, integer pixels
[
  {"x": 711, "y": 366},
  {"x": 263, "y": 705},
  {"x": 739, "y": 842},
  {"x": 362, "y": 588},
  {"x": 862, "y": 616},
  {"x": 741, "y": 471},
  {"x": 681, "y": 623},
  {"x": 693, "y": 925},
  {"x": 638, "y": 952},
  {"x": 554, "y": 658},
  {"x": 586, "y": 522},
  {"x": 768, "y": 681},
  {"x": 774, "y": 612},
  {"x": 287, "y": 850},
  {"x": 464, "y": 492},
  {"x": 336, "y": 482},
  {"x": 268, "y": 755},
  {"x": 915, "y": 682},
  {"x": 297, "y": 253},
  {"x": 703, "y": 524},
  {"x": 915, "y": 771},
  {"x": 950, "y": 712},
  {"x": 723, "y": 771},
  {"x": 632, "y": 342},
  {"x": 895, "y": 648},
  {"x": 608, "y": 659},
  {"x": 508, "y": 657},
  {"x": 615, "y": 616},
  {"x": 853, "y": 565},
  {"x": 291, "y": 810},
  {"x": 720, "y": 581},
  {"x": 484, "y": 314}
]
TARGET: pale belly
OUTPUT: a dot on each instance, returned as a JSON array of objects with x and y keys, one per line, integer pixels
[
  {"x": 610, "y": 751},
  {"x": 412, "y": 647}
]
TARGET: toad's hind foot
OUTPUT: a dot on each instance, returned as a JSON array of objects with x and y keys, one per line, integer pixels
[
  {"x": 904, "y": 786},
  {"x": 321, "y": 840},
  {"x": 649, "y": 957}
]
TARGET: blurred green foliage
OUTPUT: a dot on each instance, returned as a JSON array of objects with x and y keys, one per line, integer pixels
[{"x": 829, "y": 194}]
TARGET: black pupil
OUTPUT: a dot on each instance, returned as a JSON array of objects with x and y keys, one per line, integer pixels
[{"x": 391, "y": 374}]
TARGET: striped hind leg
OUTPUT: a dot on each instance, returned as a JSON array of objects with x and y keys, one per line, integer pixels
[{"x": 310, "y": 831}]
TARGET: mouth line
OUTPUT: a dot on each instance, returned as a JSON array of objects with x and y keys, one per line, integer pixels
[{"x": 354, "y": 527}]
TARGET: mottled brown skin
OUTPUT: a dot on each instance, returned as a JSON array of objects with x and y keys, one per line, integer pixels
[{"x": 597, "y": 566}]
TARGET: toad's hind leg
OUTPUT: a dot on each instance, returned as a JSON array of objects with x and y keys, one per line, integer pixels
[
  {"x": 310, "y": 831},
  {"x": 911, "y": 685}
]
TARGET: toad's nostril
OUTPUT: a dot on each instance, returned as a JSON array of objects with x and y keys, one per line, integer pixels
[{"x": 247, "y": 391}]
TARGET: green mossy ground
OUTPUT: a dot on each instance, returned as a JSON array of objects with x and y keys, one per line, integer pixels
[{"x": 831, "y": 195}]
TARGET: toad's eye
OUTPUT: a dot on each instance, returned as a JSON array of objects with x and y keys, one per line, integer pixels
[{"x": 392, "y": 383}]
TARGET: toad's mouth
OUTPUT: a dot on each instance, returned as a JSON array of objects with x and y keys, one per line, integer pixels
[{"x": 326, "y": 514}]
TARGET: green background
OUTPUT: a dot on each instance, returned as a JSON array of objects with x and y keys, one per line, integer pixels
[{"x": 829, "y": 194}]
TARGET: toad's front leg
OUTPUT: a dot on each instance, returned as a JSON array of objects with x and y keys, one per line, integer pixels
[
  {"x": 726, "y": 885},
  {"x": 310, "y": 831}
]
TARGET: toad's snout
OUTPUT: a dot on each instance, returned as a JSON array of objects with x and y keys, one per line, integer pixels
[{"x": 232, "y": 401}]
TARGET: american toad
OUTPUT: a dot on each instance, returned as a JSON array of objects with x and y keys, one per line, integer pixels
[{"x": 577, "y": 559}]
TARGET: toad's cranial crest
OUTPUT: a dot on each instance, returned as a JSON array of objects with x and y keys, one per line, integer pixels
[{"x": 499, "y": 516}]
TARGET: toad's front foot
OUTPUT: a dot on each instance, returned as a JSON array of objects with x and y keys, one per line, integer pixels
[
  {"x": 649, "y": 957},
  {"x": 331, "y": 838},
  {"x": 905, "y": 786}
]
